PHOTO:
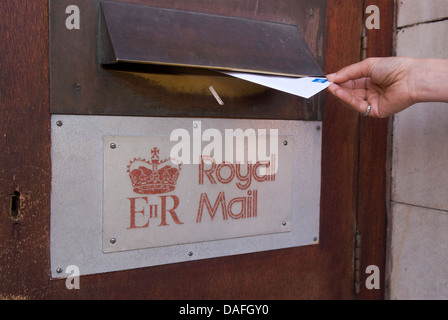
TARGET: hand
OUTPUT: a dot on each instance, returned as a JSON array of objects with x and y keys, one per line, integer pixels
[{"x": 383, "y": 83}]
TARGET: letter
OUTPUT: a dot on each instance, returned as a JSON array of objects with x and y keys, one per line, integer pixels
[
  {"x": 133, "y": 212},
  {"x": 152, "y": 211},
  {"x": 180, "y": 151},
  {"x": 73, "y": 21},
  {"x": 209, "y": 172},
  {"x": 239, "y": 135},
  {"x": 373, "y": 281},
  {"x": 197, "y": 142},
  {"x": 263, "y": 177},
  {"x": 250, "y": 309},
  {"x": 249, "y": 212},
  {"x": 182, "y": 310},
  {"x": 244, "y": 178},
  {"x": 265, "y": 309},
  {"x": 242, "y": 213},
  {"x": 373, "y": 21},
  {"x": 213, "y": 149},
  {"x": 171, "y": 211},
  {"x": 244, "y": 309},
  {"x": 219, "y": 175},
  {"x": 209, "y": 310},
  {"x": 254, "y": 207},
  {"x": 74, "y": 275},
  {"x": 191, "y": 310},
  {"x": 212, "y": 211},
  {"x": 273, "y": 150},
  {"x": 228, "y": 145},
  {"x": 251, "y": 204},
  {"x": 227, "y": 309},
  {"x": 273, "y": 167},
  {"x": 235, "y": 310}
]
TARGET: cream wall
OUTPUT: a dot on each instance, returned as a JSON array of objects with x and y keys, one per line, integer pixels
[{"x": 418, "y": 242}]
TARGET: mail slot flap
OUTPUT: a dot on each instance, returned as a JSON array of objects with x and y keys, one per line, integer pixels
[{"x": 138, "y": 34}]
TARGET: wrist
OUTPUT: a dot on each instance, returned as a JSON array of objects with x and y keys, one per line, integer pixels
[{"x": 429, "y": 80}]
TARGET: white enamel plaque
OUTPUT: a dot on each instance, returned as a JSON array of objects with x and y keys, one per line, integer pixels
[{"x": 133, "y": 192}]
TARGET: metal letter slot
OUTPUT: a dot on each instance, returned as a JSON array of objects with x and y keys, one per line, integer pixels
[
  {"x": 139, "y": 34},
  {"x": 134, "y": 58}
]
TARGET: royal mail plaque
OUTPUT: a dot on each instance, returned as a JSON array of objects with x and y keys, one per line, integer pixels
[
  {"x": 133, "y": 192},
  {"x": 153, "y": 197}
]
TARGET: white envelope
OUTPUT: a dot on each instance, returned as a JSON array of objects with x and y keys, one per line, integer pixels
[{"x": 305, "y": 87}]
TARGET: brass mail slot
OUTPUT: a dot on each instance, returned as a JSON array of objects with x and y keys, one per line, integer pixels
[
  {"x": 136, "y": 34},
  {"x": 135, "y": 58}
]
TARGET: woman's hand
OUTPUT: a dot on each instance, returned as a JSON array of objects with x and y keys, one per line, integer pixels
[{"x": 386, "y": 84}]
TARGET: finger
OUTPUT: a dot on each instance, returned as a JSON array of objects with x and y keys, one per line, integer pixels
[
  {"x": 332, "y": 88},
  {"x": 352, "y": 72},
  {"x": 353, "y": 99},
  {"x": 356, "y": 84}
]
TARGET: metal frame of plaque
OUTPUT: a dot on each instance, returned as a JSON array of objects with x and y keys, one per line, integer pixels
[{"x": 123, "y": 202}]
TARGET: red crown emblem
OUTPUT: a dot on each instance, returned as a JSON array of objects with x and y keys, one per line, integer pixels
[{"x": 147, "y": 178}]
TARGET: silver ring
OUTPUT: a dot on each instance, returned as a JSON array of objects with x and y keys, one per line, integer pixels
[{"x": 365, "y": 114}]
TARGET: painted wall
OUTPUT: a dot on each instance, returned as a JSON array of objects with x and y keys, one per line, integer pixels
[{"x": 418, "y": 245}]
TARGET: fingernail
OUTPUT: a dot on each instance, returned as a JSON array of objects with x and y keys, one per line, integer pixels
[{"x": 331, "y": 75}]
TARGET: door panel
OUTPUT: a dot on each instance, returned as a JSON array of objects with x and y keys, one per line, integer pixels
[{"x": 350, "y": 167}]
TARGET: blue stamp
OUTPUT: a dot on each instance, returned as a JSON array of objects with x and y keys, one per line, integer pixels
[{"x": 320, "y": 80}]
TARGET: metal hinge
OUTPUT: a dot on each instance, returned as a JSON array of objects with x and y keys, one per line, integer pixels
[
  {"x": 357, "y": 262},
  {"x": 364, "y": 44}
]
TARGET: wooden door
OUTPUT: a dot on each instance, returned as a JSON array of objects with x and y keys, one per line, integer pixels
[{"x": 353, "y": 195}]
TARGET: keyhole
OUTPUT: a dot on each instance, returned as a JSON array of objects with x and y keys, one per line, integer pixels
[{"x": 15, "y": 204}]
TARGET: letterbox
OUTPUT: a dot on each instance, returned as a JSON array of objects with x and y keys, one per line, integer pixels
[{"x": 158, "y": 154}]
